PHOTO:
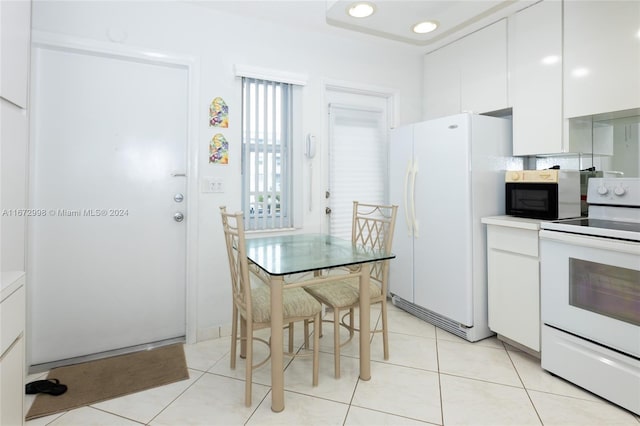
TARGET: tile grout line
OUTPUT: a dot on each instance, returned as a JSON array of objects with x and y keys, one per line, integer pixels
[
  {"x": 266, "y": 395},
  {"x": 523, "y": 385},
  {"x": 439, "y": 377},
  {"x": 114, "y": 414},
  {"x": 176, "y": 398}
]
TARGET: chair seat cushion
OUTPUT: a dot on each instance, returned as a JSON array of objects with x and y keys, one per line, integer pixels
[
  {"x": 374, "y": 289},
  {"x": 295, "y": 303},
  {"x": 340, "y": 294}
]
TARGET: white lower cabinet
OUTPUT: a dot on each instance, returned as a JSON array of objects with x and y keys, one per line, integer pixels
[
  {"x": 12, "y": 353},
  {"x": 12, "y": 385},
  {"x": 513, "y": 268}
]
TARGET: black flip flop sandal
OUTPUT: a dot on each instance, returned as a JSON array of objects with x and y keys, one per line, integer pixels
[{"x": 49, "y": 386}]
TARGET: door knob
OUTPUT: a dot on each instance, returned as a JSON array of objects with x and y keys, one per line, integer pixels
[
  {"x": 178, "y": 216},
  {"x": 327, "y": 210},
  {"x": 178, "y": 198}
]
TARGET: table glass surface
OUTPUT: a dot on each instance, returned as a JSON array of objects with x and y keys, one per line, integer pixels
[{"x": 290, "y": 254}]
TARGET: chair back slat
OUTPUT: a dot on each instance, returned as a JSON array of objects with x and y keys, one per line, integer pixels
[
  {"x": 233, "y": 226},
  {"x": 373, "y": 227}
]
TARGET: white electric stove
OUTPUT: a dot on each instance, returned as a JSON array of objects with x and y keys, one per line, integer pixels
[{"x": 590, "y": 293}]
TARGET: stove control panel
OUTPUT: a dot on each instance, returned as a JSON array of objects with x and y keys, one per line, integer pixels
[{"x": 614, "y": 191}]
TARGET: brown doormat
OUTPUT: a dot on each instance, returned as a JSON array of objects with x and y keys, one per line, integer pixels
[{"x": 96, "y": 381}]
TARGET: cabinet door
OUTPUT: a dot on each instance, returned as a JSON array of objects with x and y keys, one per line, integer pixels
[
  {"x": 442, "y": 82},
  {"x": 514, "y": 297},
  {"x": 535, "y": 78},
  {"x": 469, "y": 74},
  {"x": 483, "y": 69},
  {"x": 602, "y": 57},
  {"x": 12, "y": 384},
  {"x": 15, "y": 36},
  {"x": 14, "y": 133}
]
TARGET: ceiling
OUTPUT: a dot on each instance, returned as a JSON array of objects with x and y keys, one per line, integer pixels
[{"x": 392, "y": 20}]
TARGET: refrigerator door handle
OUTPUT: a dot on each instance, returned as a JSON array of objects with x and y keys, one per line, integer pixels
[
  {"x": 414, "y": 222},
  {"x": 405, "y": 193}
]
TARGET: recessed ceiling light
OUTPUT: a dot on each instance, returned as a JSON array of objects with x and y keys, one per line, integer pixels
[
  {"x": 425, "y": 27},
  {"x": 361, "y": 10}
]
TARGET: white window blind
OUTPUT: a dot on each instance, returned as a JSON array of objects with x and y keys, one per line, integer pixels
[
  {"x": 266, "y": 154},
  {"x": 358, "y": 162}
]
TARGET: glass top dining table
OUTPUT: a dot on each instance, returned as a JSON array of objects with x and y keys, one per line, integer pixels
[
  {"x": 281, "y": 255},
  {"x": 292, "y": 254}
]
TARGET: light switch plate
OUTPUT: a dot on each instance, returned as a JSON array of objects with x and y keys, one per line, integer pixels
[{"x": 212, "y": 184}]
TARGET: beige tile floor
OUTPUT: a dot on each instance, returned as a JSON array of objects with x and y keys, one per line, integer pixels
[{"x": 431, "y": 378}]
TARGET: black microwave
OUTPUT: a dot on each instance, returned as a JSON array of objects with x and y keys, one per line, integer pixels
[{"x": 543, "y": 194}]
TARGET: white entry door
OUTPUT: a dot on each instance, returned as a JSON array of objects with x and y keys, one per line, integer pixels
[
  {"x": 106, "y": 255},
  {"x": 358, "y": 156}
]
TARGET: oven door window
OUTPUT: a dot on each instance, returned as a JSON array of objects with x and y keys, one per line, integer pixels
[{"x": 605, "y": 289}]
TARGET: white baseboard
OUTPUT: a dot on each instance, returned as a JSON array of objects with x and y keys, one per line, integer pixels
[{"x": 213, "y": 332}]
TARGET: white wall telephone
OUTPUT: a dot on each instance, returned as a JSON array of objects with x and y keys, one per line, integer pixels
[{"x": 310, "y": 147}]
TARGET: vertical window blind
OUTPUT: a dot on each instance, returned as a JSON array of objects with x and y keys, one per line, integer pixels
[
  {"x": 358, "y": 162},
  {"x": 266, "y": 154}
]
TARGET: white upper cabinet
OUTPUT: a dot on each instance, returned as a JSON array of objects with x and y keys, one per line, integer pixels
[
  {"x": 483, "y": 69},
  {"x": 15, "y": 36},
  {"x": 601, "y": 57},
  {"x": 535, "y": 78},
  {"x": 442, "y": 82},
  {"x": 468, "y": 75}
]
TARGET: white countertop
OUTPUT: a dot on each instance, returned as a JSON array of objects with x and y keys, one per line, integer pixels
[{"x": 514, "y": 222}]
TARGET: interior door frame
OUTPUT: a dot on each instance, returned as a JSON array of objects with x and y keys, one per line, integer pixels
[{"x": 46, "y": 40}]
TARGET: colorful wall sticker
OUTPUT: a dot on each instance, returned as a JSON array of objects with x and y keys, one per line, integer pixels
[
  {"x": 218, "y": 113},
  {"x": 219, "y": 149}
]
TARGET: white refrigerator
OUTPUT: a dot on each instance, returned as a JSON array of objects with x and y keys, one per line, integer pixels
[{"x": 445, "y": 175}]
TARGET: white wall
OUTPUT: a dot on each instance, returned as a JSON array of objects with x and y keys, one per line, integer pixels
[{"x": 219, "y": 41}]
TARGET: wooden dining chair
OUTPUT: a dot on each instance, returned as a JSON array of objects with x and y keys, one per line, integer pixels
[
  {"x": 373, "y": 226},
  {"x": 252, "y": 305}
]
